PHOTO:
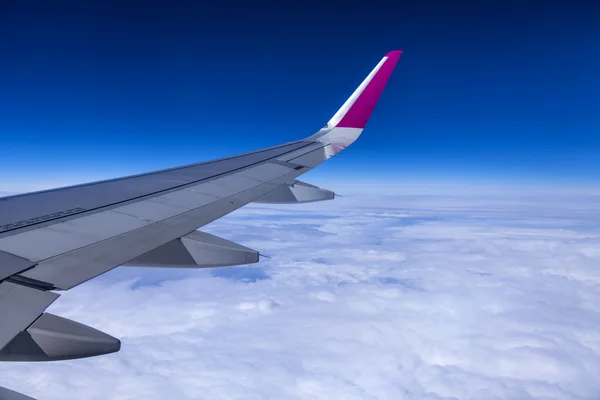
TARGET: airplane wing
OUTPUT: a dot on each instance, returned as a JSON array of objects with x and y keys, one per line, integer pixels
[{"x": 56, "y": 239}]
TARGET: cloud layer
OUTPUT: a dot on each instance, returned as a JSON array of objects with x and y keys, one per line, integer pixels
[{"x": 412, "y": 297}]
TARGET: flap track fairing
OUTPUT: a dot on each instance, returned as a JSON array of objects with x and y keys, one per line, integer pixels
[{"x": 299, "y": 192}]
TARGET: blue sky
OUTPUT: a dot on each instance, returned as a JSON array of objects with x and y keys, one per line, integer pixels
[{"x": 486, "y": 92}]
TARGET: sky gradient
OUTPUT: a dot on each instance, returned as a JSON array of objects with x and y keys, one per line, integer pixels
[{"x": 485, "y": 92}]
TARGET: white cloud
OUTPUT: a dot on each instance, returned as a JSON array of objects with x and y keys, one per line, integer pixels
[{"x": 414, "y": 297}]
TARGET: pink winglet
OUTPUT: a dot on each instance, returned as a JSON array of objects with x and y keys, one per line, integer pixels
[{"x": 358, "y": 115}]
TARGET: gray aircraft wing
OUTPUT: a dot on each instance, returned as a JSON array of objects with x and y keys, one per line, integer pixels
[
  {"x": 6, "y": 394},
  {"x": 56, "y": 239}
]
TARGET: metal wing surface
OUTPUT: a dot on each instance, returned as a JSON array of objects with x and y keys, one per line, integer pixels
[{"x": 56, "y": 239}]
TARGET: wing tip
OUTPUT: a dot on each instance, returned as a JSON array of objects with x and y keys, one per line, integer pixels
[
  {"x": 394, "y": 53},
  {"x": 357, "y": 110}
]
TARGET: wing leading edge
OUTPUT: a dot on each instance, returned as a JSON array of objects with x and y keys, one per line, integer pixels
[{"x": 57, "y": 239}]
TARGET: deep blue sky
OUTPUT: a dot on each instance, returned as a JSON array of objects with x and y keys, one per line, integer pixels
[{"x": 486, "y": 91}]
